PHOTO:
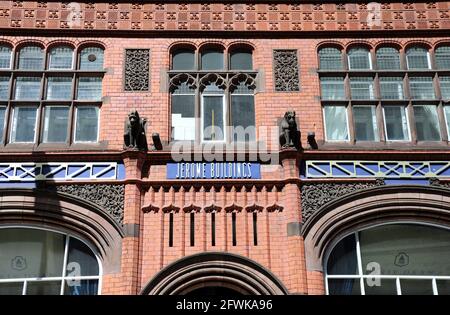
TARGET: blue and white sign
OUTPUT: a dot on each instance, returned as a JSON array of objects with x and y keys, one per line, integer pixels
[{"x": 213, "y": 170}]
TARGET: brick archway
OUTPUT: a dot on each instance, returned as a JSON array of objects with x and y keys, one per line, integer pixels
[
  {"x": 214, "y": 269},
  {"x": 363, "y": 209}
]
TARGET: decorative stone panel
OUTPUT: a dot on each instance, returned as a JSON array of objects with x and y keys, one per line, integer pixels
[
  {"x": 137, "y": 70},
  {"x": 285, "y": 66}
]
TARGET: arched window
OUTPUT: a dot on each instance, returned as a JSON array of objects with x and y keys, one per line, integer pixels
[
  {"x": 417, "y": 58},
  {"x": 5, "y": 57},
  {"x": 241, "y": 59},
  {"x": 31, "y": 58},
  {"x": 330, "y": 58},
  {"x": 388, "y": 58},
  {"x": 212, "y": 59},
  {"x": 183, "y": 59},
  {"x": 61, "y": 58},
  {"x": 91, "y": 58},
  {"x": 391, "y": 259},
  {"x": 359, "y": 59},
  {"x": 442, "y": 57},
  {"x": 40, "y": 262}
]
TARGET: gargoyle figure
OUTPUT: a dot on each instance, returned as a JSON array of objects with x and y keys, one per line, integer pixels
[
  {"x": 134, "y": 135},
  {"x": 289, "y": 137}
]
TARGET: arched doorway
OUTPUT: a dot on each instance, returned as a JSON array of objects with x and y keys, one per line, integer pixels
[{"x": 214, "y": 274}]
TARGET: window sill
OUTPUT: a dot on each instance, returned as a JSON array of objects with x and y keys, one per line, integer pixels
[{"x": 33, "y": 147}]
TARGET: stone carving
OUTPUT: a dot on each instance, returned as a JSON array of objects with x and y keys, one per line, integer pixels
[
  {"x": 137, "y": 70},
  {"x": 289, "y": 137},
  {"x": 134, "y": 135},
  {"x": 108, "y": 197},
  {"x": 316, "y": 195},
  {"x": 286, "y": 70},
  {"x": 437, "y": 183}
]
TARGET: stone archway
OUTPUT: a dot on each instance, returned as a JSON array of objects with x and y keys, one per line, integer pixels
[{"x": 207, "y": 272}]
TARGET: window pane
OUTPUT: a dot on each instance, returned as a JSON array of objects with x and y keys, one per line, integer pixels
[
  {"x": 28, "y": 88},
  {"x": 417, "y": 58},
  {"x": 183, "y": 117},
  {"x": 427, "y": 123},
  {"x": 445, "y": 87},
  {"x": 421, "y": 88},
  {"x": 243, "y": 117},
  {"x": 342, "y": 260},
  {"x": 443, "y": 287},
  {"x": 44, "y": 288},
  {"x": 442, "y": 56},
  {"x": 55, "y": 124},
  {"x": 86, "y": 129},
  {"x": 344, "y": 287},
  {"x": 91, "y": 58},
  {"x": 358, "y": 58},
  {"x": 2, "y": 122},
  {"x": 5, "y": 57},
  {"x": 24, "y": 124},
  {"x": 81, "y": 260},
  {"x": 391, "y": 88},
  {"x": 332, "y": 88},
  {"x": 89, "y": 88},
  {"x": 380, "y": 286},
  {"x": 4, "y": 88},
  {"x": 406, "y": 249},
  {"x": 365, "y": 123},
  {"x": 61, "y": 58},
  {"x": 212, "y": 60},
  {"x": 81, "y": 287},
  {"x": 330, "y": 58},
  {"x": 396, "y": 123},
  {"x": 336, "y": 123},
  {"x": 388, "y": 58},
  {"x": 32, "y": 58},
  {"x": 362, "y": 88},
  {"x": 59, "y": 88},
  {"x": 14, "y": 288},
  {"x": 416, "y": 287},
  {"x": 30, "y": 253},
  {"x": 447, "y": 118},
  {"x": 213, "y": 122},
  {"x": 241, "y": 60},
  {"x": 183, "y": 59}
]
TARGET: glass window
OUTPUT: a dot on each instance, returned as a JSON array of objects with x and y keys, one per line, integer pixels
[
  {"x": 365, "y": 120},
  {"x": 86, "y": 128},
  {"x": 417, "y": 58},
  {"x": 2, "y": 121},
  {"x": 330, "y": 58},
  {"x": 362, "y": 88},
  {"x": 183, "y": 59},
  {"x": 332, "y": 88},
  {"x": 396, "y": 123},
  {"x": 336, "y": 123},
  {"x": 31, "y": 58},
  {"x": 442, "y": 57},
  {"x": 427, "y": 123},
  {"x": 183, "y": 113},
  {"x": 213, "y": 118},
  {"x": 61, "y": 58},
  {"x": 421, "y": 88},
  {"x": 243, "y": 114},
  {"x": 59, "y": 88},
  {"x": 5, "y": 57},
  {"x": 359, "y": 58},
  {"x": 388, "y": 58},
  {"x": 342, "y": 260},
  {"x": 391, "y": 88},
  {"x": 91, "y": 58},
  {"x": 4, "y": 88},
  {"x": 445, "y": 87},
  {"x": 241, "y": 60},
  {"x": 212, "y": 59},
  {"x": 28, "y": 88},
  {"x": 89, "y": 88},
  {"x": 24, "y": 124},
  {"x": 80, "y": 257},
  {"x": 447, "y": 119},
  {"x": 55, "y": 123}
]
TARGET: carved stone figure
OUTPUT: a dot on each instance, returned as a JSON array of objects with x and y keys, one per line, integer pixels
[
  {"x": 134, "y": 136},
  {"x": 289, "y": 137}
]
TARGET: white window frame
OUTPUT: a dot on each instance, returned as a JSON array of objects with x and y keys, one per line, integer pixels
[
  {"x": 225, "y": 113},
  {"x": 75, "y": 125},
  {"x": 369, "y": 55},
  {"x": 68, "y": 123},
  {"x": 13, "y": 123},
  {"x": 363, "y": 277},
  {"x": 447, "y": 122},
  {"x": 63, "y": 277},
  {"x": 407, "y": 123},
  {"x": 325, "y": 123},
  {"x": 428, "y": 61},
  {"x": 58, "y": 69}
]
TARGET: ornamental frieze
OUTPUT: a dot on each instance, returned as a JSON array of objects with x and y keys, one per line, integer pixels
[{"x": 247, "y": 17}]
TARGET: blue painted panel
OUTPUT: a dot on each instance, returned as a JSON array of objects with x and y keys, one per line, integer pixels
[
  {"x": 214, "y": 170},
  {"x": 121, "y": 171},
  {"x": 407, "y": 182}
]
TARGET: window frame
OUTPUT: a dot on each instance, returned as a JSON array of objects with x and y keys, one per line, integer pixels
[
  {"x": 224, "y": 116},
  {"x": 408, "y": 124},
  {"x": 346, "y": 122},
  {"x": 36, "y": 119},
  {"x": 75, "y": 125}
]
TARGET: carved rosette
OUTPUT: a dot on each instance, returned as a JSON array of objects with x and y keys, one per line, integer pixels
[
  {"x": 108, "y": 197},
  {"x": 137, "y": 70},
  {"x": 285, "y": 64}
]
